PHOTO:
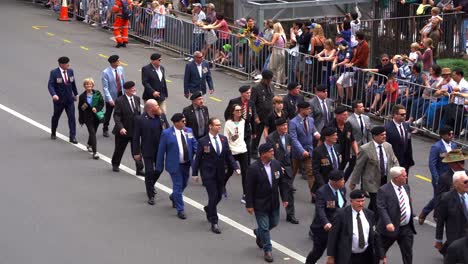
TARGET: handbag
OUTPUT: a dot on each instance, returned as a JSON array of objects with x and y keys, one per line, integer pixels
[{"x": 97, "y": 97}]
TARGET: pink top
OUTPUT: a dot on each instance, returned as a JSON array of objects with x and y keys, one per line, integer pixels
[
  {"x": 280, "y": 42},
  {"x": 427, "y": 59},
  {"x": 223, "y": 30}
]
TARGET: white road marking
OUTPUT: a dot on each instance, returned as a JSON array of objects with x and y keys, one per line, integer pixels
[{"x": 161, "y": 187}]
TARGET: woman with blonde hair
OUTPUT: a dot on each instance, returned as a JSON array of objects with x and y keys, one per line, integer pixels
[
  {"x": 278, "y": 56},
  {"x": 317, "y": 44}
]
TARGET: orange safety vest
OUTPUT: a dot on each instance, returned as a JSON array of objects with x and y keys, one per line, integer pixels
[{"x": 117, "y": 8}]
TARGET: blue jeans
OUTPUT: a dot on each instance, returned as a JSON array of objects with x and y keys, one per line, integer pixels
[
  {"x": 266, "y": 221},
  {"x": 179, "y": 182},
  {"x": 197, "y": 43}
]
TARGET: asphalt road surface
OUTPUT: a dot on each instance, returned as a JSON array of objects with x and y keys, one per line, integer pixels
[{"x": 58, "y": 205}]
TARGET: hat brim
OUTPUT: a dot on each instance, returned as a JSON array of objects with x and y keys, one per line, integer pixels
[{"x": 446, "y": 160}]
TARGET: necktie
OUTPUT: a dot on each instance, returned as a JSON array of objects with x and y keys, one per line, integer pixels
[
  {"x": 217, "y": 145},
  {"x": 244, "y": 111},
  {"x": 132, "y": 105},
  {"x": 305, "y": 125},
  {"x": 118, "y": 83},
  {"x": 340, "y": 199},
  {"x": 361, "y": 242},
  {"x": 465, "y": 210},
  {"x": 361, "y": 124},
  {"x": 184, "y": 146},
  {"x": 66, "y": 78},
  {"x": 201, "y": 123},
  {"x": 402, "y": 206},
  {"x": 402, "y": 134},
  {"x": 324, "y": 111},
  {"x": 334, "y": 160},
  {"x": 381, "y": 162}
]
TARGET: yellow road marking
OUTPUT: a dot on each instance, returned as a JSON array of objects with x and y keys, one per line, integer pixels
[
  {"x": 169, "y": 81},
  {"x": 103, "y": 56},
  {"x": 84, "y": 48},
  {"x": 123, "y": 63},
  {"x": 215, "y": 99},
  {"x": 66, "y": 41},
  {"x": 50, "y": 34},
  {"x": 423, "y": 178},
  {"x": 38, "y": 27}
]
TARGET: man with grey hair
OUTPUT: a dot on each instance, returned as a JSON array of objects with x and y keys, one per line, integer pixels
[
  {"x": 197, "y": 75},
  {"x": 210, "y": 13},
  {"x": 197, "y": 19},
  {"x": 452, "y": 213},
  {"x": 395, "y": 214}
]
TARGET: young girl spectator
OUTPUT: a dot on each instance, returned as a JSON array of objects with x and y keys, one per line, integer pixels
[
  {"x": 427, "y": 57},
  {"x": 433, "y": 23},
  {"x": 90, "y": 104},
  {"x": 414, "y": 55},
  {"x": 224, "y": 56}
]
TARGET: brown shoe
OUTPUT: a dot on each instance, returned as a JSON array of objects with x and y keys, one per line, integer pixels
[
  {"x": 421, "y": 218},
  {"x": 268, "y": 257}
]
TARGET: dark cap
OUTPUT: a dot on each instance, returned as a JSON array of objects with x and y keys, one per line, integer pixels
[
  {"x": 63, "y": 60},
  {"x": 280, "y": 121},
  {"x": 177, "y": 117},
  {"x": 336, "y": 175},
  {"x": 244, "y": 88},
  {"x": 155, "y": 56},
  {"x": 267, "y": 75},
  {"x": 303, "y": 105},
  {"x": 293, "y": 85},
  {"x": 377, "y": 130},
  {"x": 445, "y": 130},
  {"x": 328, "y": 131},
  {"x": 128, "y": 85},
  {"x": 113, "y": 58},
  {"x": 196, "y": 95},
  {"x": 340, "y": 109},
  {"x": 357, "y": 194},
  {"x": 265, "y": 147},
  {"x": 321, "y": 88}
]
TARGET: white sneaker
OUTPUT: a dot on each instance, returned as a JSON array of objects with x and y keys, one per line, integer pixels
[
  {"x": 462, "y": 133},
  {"x": 243, "y": 199},
  {"x": 187, "y": 58},
  {"x": 418, "y": 122}
]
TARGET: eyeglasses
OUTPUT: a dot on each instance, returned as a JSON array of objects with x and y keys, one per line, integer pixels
[{"x": 384, "y": 59}]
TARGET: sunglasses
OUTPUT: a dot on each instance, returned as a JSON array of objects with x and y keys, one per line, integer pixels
[
  {"x": 237, "y": 110},
  {"x": 384, "y": 59},
  {"x": 198, "y": 57},
  {"x": 404, "y": 114}
]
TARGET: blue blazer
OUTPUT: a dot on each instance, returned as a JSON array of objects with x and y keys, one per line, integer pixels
[
  {"x": 209, "y": 162},
  {"x": 109, "y": 85},
  {"x": 57, "y": 86},
  {"x": 301, "y": 141},
  {"x": 169, "y": 149},
  {"x": 436, "y": 155},
  {"x": 192, "y": 81}
]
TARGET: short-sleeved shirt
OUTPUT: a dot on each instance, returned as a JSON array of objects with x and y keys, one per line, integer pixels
[
  {"x": 384, "y": 70},
  {"x": 199, "y": 18},
  {"x": 223, "y": 29},
  {"x": 343, "y": 55}
]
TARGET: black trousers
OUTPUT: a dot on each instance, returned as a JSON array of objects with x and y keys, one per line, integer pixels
[
  {"x": 320, "y": 244},
  {"x": 151, "y": 177},
  {"x": 214, "y": 188},
  {"x": 350, "y": 168},
  {"x": 405, "y": 239},
  {"x": 92, "y": 125},
  {"x": 70, "y": 111},
  {"x": 120, "y": 146},
  {"x": 244, "y": 165},
  {"x": 290, "y": 209},
  {"x": 256, "y": 140},
  {"x": 107, "y": 116},
  {"x": 364, "y": 257},
  {"x": 248, "y": 142},
  {"x": 373, "y": 199}
]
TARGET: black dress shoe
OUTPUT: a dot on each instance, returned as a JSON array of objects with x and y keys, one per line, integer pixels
[
  {"x": 205, "y": 208},
  {"x": 95, "y": 156},
  {"x": 105, "y": 133},
  {"x": 257, "y": 239},
  {"x": 172, "y": 200},
  {"x": 115, "y": 168},
  {"x": 151, "y": 201},
  {"x": 140, "y": 173},
  {"x": 119, "y": 45},
  {"x": 292, "y": 219},
  {"x": 124, "y": 45},
  {"x": 73, "y": 141},
  {"x": 53, "y": 136},
  {"x": 181, "y": 215},
  {"x": 268, "y": 257},
  {"x": 215, "y": 229}
]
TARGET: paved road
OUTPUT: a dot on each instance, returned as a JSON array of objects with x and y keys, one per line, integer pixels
[{"x": 60, "y": 206}]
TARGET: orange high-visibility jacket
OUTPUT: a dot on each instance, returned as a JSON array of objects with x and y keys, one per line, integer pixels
[{"x": 117, "y": 8}]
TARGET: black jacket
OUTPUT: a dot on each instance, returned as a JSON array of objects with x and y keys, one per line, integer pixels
[
  {"x": 403, "y": 149},
  {"x": 190, "y": 116},
  {"x": 290, "y": 104},
  {"x": 85, "y": 112},
  {"x": 326, "y": 206},
  {"x": 152, "y": 83},
  {"x": 146, "y": 136},
  {"x": 322, "y": 163},
  {"x": 262, "y": 96},
  {"x": 450, "y": 215},
  {"x": 124, "y": 117}
]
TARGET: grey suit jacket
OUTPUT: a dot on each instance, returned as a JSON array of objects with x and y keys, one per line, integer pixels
[
  {"x": 317, "y": 114},
  {"x": 361, "y": 138},
  {"x": 367, "y": 166}
]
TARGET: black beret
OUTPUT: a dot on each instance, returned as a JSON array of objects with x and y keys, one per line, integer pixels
[
  {"x": 293, "y": 85},
  {"x": 336, "y": 175},
  {"x": 177, "y": 117},
  {"x": 196, "y": 95},
  {"x": 267, "y": 74},
  {"x": 340, "y": 109},
  {"x": 328, "y": 131},
  {"x": 128, "y": 85},
  {"x": 357, "y": 194},
  {"x": 244, "y": 88},
  {"x": 445, "y": 130},
  {"x": 321, "y": 88},
  {"x": 302, "y": 105},
  {"x": 155, "y": 56},
  {"x": 280, "y": 121},
  {"x": 265, "y": 147},
  {"x": 63, "y": 60},
  {"x": 377, "y": 130},
  {"x": 113, "y": 58}
]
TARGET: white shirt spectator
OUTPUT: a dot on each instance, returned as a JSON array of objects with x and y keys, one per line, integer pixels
[
  {"x": 199, "y": 18},
  {"x": 231, "y": 129}
]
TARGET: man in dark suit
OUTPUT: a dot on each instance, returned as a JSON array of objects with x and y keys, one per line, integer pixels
[
  {"x": 399, "y": 136},
  {"x": 452, "y": 213},
  {"x": 213, "y": 155},
  {"x": 396, "y": 214},
  {"x": 127, "y": 107},
  {"x": 325, "y": 157},
  {"x": 438, "y": 152},
  {"x": 322, "y": 107},
  {"x": 351, "y": 239},
  {"x": 197, "y": 75},
  {"x": 63, "y": 90},
  {"x": 457, "y": 252},
  {"x": 249, "y": 113},
  {"x": 329, "y": 198},
  {"x": 291, "y": 100},
  {"x": 197, "y": 115},
  {"x": 146, "y": 136},
  {"x": 153, "y": 77},
  {"x": 265, "y": 180},
  {"x": 175, "y": 153},
  {"x": 281, "y": 142}
]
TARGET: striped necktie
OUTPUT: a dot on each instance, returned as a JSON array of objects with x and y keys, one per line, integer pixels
[{"x": 402, "y": 206}]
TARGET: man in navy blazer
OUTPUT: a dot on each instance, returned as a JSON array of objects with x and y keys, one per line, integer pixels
[
  {"x": 63, "y": 90},
  {"x": 438, "y": 152},
  {"x": 113, "y": 79},
  {"x": 175, "y": 153},
  {"x": 197, "y": 75},
  {"x": 213, "y": 155},
  {"x": 146, "y": 136},
  {"x": 153, "y": 77}
]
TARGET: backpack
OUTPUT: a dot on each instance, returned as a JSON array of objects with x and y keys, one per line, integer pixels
[{"x": 126, "y": 11}]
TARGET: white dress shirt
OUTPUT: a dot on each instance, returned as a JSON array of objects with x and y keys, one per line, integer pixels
[
  {"x": 213, "y": 142},
  {"x": 378, "y": 154},
  {"x": 407, "y": 203},
  {"x": 199, "y": 67},
  {"x": 359, "y": 123},
  {"x": 180, "y": 133},
  {"x": 398, "y": 126},
  {"x": 447, "y": 146},
  {"x": 268, "y": 172},
  {"x": 130, "y": 99},
  {"x": 65, "y": 79},
  {"x": 365, "y": 228},
  {"x": 158, "y": 72}
]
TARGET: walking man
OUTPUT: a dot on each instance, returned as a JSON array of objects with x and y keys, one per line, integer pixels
[
  {"x": 153, "y": 77},
  {"x": 113, "y": 79}
]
